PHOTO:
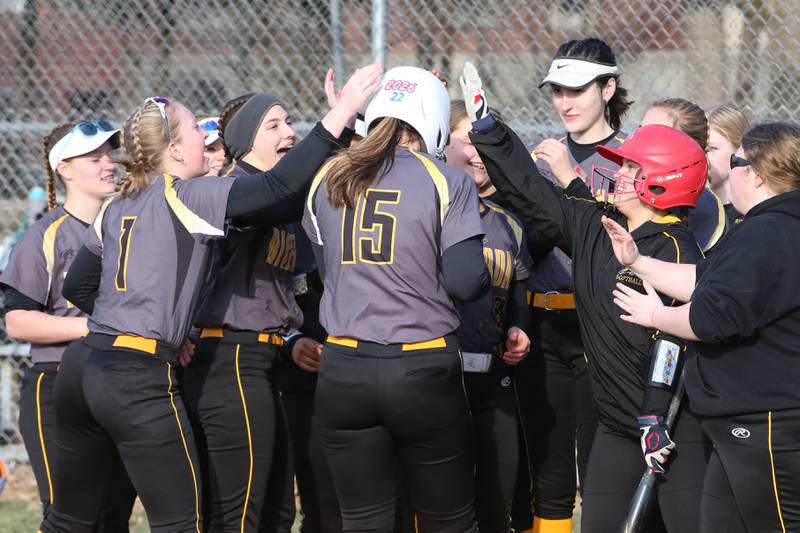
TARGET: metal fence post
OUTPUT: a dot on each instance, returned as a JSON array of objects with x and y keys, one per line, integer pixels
[{"x": 379, "y": 31}]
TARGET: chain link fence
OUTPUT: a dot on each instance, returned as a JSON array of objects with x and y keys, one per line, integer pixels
[{"x": 68, "y": 59}]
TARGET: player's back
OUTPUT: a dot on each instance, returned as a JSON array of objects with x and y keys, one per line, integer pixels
[{"x": 382, "y": 256}]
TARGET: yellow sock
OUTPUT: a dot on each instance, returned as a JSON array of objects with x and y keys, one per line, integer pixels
[{"x": 543, "y": 525}]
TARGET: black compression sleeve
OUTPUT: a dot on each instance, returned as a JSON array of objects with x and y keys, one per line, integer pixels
[
  {"x": 464, "y": 270},
  {"x": 518, "y": 314},
  {"x": 83, "y": 280},
  {"x": 292, "y": 173},
  {"x": 15, "y": 300},
  {"x": 658, "y": 391},
  {"x": 539, "y": 244}
]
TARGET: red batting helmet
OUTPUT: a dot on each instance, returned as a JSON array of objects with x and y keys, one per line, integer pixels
[{"x": 673, "y": 165}]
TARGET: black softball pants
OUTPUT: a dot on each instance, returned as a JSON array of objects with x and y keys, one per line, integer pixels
[
  {"x": 37, "y": 426},
  {"x": 378, "y": 404},
  {"x": 753, "y": 479},
  {"x": 111, "y": 400},
  {"x": 494, "y": 432},
  {"x": 557, "y": 414},
  {"x": 232, "y": 408},
  {"x": 321, "y": 512},
  {"x": 616, "y": 465}
]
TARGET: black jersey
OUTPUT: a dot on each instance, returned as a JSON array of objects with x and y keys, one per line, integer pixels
[
  {"x": 553, "y": 272},
  {"x": 746, "y": 310},
  {"x": 38, "y": 265},
  {"x": 618, "y": 352}
]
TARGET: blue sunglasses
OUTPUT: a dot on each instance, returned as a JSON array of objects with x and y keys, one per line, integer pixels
[
  {"x": 90, "y": 128},
  {"x": 209, "y": 125}
]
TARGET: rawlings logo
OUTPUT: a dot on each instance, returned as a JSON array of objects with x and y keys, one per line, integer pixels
[
  {"x": 740, "y": 433},
  {"x": 662, "y": 179},
  {"x": 400, "y": 85}
]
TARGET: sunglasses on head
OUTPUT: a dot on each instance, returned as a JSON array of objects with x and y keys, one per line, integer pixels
[
  {"x": 161, "y": 103},
  {"x": 91, "y": 127},
  {"x": 737, "y": 161}
]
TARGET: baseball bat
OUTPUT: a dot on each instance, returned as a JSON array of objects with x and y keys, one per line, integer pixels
[{"x": 640, "y": 503}]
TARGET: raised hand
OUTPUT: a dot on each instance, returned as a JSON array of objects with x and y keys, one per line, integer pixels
[
  {"x": 359, "y": 88},
  {"x": 330, "y": 88},
  {"x": 472, "y": 90},
  {"x": 625, "y": 248},
  {"x": 556, "y": 155}
]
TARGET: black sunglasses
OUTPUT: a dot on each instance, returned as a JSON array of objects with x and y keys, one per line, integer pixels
[
  {"x": 90, "y": 128},
  {"x": 737, "y": 161}
]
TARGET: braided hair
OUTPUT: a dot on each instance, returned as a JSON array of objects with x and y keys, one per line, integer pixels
[
  {"x": 48, "y": 141},
  {"x": 143, "y": 141}
]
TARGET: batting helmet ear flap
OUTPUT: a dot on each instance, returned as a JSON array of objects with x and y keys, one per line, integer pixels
[{"x": 418, "y": 98}]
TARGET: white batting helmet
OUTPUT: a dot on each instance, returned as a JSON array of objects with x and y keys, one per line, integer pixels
[{"x": 418, "y": 98}]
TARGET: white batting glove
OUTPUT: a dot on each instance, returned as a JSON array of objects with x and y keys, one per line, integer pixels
[{"x": 472, "y": 90}]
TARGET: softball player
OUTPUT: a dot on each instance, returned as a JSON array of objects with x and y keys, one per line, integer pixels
[
  {"x": 743, "y": 308},
  {"x": 633, "y": 370},
  {"x": 142, "y": 270},
  {"x": 707, "y": 220},
  {"x": 489, "y": 326},
  {"x": 554, "y": 390},
  {"x": 215, "y": 152},
  {"x": 79, "y": 154},
  {"x": 726, "y": 126},
  {"x": 401, "y": 236},
  {"x": 248, "y": 310}
]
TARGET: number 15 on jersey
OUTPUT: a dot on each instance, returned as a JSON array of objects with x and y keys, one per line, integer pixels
[{"x": 367, "y": 217}]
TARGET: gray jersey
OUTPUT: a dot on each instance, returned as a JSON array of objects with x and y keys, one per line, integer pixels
[
  {"x": 507, "y": 259},
  {"x": 382, "y": 258},
  {"x": 155, "y": 247},
  {"x": 251, "y": 286},
  {"x": 554, "y": 271},
  {"x": 38, "y": 265}
]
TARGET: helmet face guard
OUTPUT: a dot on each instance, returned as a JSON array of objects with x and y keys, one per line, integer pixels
[{"x": 612, "y": 186}]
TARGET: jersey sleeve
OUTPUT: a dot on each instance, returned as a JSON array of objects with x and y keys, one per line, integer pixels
[
  {"x": 738, "y": 293},
  {"x": 200, "y": 203},
  {"x": 310, "y": 224},
  {"x": 539, "y": 203},
  {"x": 523, "y": 262},
  {"x": 27, "y": 270},
  {"x": 462, "y": 219}
]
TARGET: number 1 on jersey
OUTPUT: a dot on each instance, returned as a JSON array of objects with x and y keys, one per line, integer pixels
[
  {"x": 379, "y": 248},
  {"x": 125, "y": 230}
]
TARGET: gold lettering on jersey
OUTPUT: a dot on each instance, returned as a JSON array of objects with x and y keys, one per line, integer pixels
[
  {"x": 282, "y": 251},
  {"x": 500, "y": 264}
]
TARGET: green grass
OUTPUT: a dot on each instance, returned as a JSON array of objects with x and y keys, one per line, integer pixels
[{"x": 18, "y": 517}]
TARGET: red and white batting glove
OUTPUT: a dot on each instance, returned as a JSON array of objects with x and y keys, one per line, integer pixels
[{"x": 656, "y": 442}]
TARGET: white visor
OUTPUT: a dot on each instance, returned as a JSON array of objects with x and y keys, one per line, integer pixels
[
  {"x": 577, "y": 73},
  {"x": 210, "y": 125},
  {"x": 76, "y": 143}
]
